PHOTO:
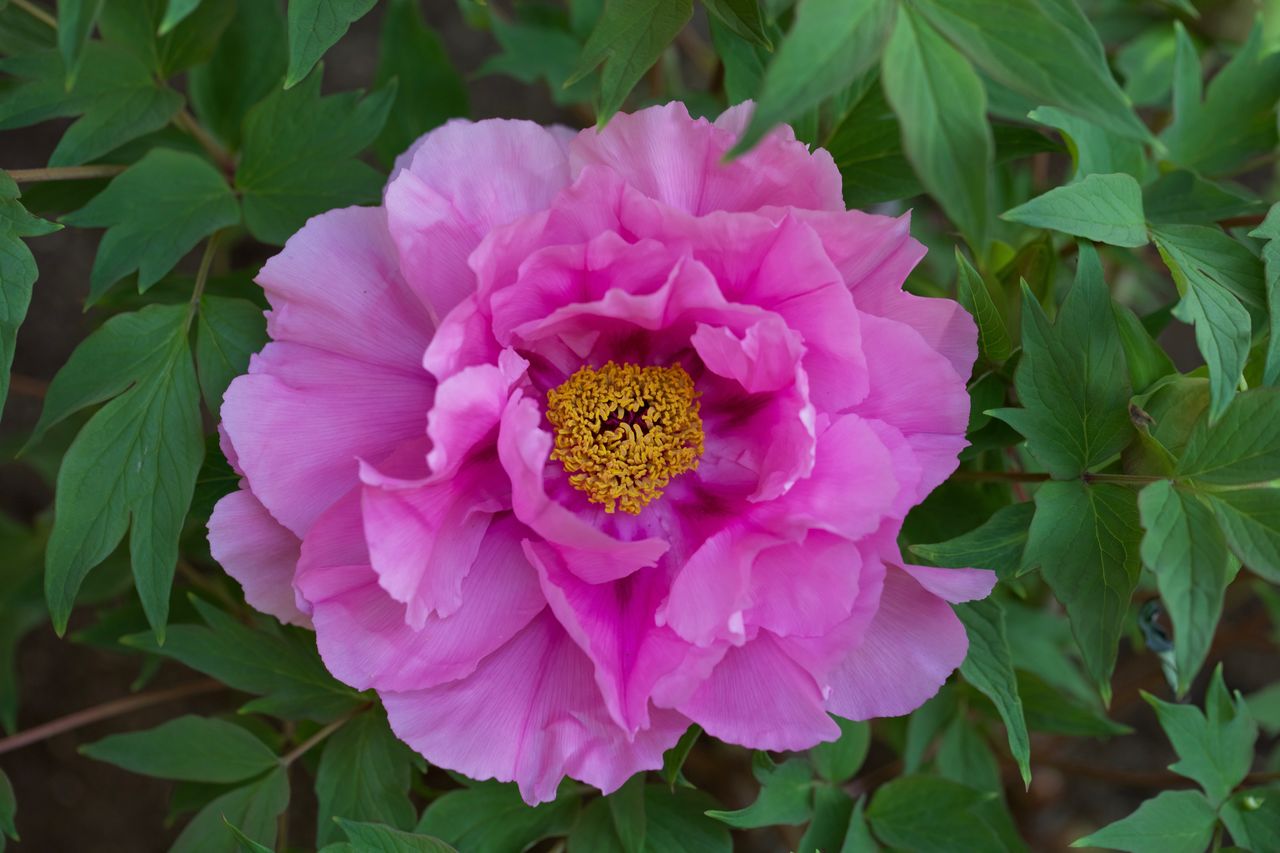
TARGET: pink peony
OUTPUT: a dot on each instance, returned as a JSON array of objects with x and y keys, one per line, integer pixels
[{"x": 581, "y": 438}]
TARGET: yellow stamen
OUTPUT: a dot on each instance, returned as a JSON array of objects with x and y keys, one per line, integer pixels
[{"x": 623, "y": 432}]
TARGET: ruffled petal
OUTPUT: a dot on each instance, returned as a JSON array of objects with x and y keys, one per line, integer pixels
[
  {"x": 912, "y": 645},
  {"x": 542, "y": 720},
  {"x": 805, "y": 589},
  {"x": 259, "y": 553}
]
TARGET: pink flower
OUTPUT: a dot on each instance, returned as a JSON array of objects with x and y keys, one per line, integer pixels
[{"x": 581, "y": 438}]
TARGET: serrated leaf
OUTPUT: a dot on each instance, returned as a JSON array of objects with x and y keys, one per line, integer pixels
[
  {"x": 1185, "y": 550},
  {"x": 1219, "y": 280},
  {"x": 363, "y": 776},
  {"x": 298, "y": 153},
  {"x": 197, "y": 749},
  {"x": 491, "y": 816},
  {"x": 138, "y": 26},
  {"x": 839, "y": 760},
  {"x": 186, "y": 201},
  {"x": 76, "y": 20},
  {"x": 783, "y": 799},
  {"x": 1104, "y": 208},
  {"x": 314, "y": 27},
  {"x": 133, "y": 465},
  {"x": 246, "y": 66},
  {"x": 17, "y": 272},
  {"x": 1044, "y": 49},
  {"x": 228, "y": 331},
  {"x": 1250, "y": 521},
  {"x": 924, "y": 813},
  {"x": 742, "y": 17},
  {"x": 1269, "y": 230},
  {"x": 1171, "y": 822},
  {"x": 989, "y": 667},
  {"x": 941, "y": 107},
  {"x": 993, "y": 337},
  {"x": 429, "y": 89},
  {"x": 379, "y": 838},
  {"x": 1071, "y": 379},
  {"x": 1214, "y": 746},
  {"x": 1242, "y": 447},
  {"x": 628, "y": 39},
  {"x": 253, "y": 809},
  {"x": 1085, "y": 539},
  {"x": 996, "y": 544},
  {"x": 830, "y": 44}
]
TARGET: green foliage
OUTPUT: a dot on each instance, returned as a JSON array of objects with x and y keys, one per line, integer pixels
[
  {"x": 197, "y": 749},
  {"x": 491, "y": 816},
  {"x": 784, "y": 795},
  {"x": 314, "y": 27},
  {"x": 1105, "y": 208},
  {"x": 17, "y": 272},
  {"x": 1176, "y": 821},
  {"x": 363, "y": 775},
  {"x": 989, "y": 667}
]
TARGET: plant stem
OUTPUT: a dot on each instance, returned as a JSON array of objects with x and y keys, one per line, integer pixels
[
  {"x": 36, "y": 12},
  {"x": 202, "y": 274},
  {"x": 106, "y": 711},
  {"x": 302, "y": 748},
  {"x": 65, "y": 173},
  {"x": 1041, "y": 477},
  {"x": 185, "y": 121}
]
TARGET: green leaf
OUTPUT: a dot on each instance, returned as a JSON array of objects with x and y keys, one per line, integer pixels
[
  {"x": 281, "y": 666},
  {"x": 1048, "y": 710},
  {"x": 1250, "y": 520},
  {"x": 628, "y": 39},
  {"x": 377, "y": 838},
  {"x": 677, "y": 821},
  {"x": 8, "y": 808},
  {"x": 1214, "y": 746},
  {"x": 76, "y": 20},
  {"x": 867, "y": 148},
  {"x": 1085, "y": 539},
  {"x": 1236, "y": 120},
  {"x": 783, "y": 799},
  {"x": 314, "y": 27},
  {"x": 1147, "y": 360},
  {"x": 137, "y": 26},
  {"x": 1094, "y": 150},
  {"x": 1187, "y": 553},
  {"x": 1253, "y": 819},
  {"x": 491, "y": 816},
  {"x": 1044, "y": 49},
  {"x": 186, "y": 201},
  {"x": 229, "y": 330},
  {"x": 133, "y": 466},
  {"x": 247, "y": 65},
  {"x": 1217, "y": 278},
  {"x": 197, "y": 749},
  {"x": 924, "y": 813},
  {"x": 941, "y": 105},
  {"x": 830, "y": 44},
  {"x": 989, "y": 667},
  {"x": 247, "y": 844},
  {"x": 533, "y": 52},
  {"x": 964, "y": 756},
  {"x": 298, "y": 153},
  {"x": 1182, "y": 197},
  {"x": 857, "y": 838},
  {"x": 1146, "y": 63},
  {"x": 253, "y": 809},
  {"x": 839, "y": 760},
  {"x": 1105, "y": 208},
  {"x": 175, "y": 12},
  {"x": 429, "y": 89},
  {"x": 675, "y": 757},
  {"x": 1171, "y": 822},
  {"x": 996, "y": 544},
  {"x": 1269, "y": 230},
  {"x": 1242, "y": 447},
  {"x": 925, "y": 724},
  {"x": 993, "y": 337},
  {"x": 832, "y": 811},
  {"x": 17, "y": 272},
  {"x": 1072, "y": 380},
  {"x": 626, "y": 810},
  {"x": 742, "y": 17},
  {"x": 363, "y": 775}
]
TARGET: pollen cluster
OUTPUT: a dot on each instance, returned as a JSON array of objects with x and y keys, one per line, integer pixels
[{"x": 623, "y": 432}]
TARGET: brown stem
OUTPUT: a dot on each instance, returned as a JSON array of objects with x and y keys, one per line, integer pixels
[
  {"x": 1137, "y": 778},
  {"x": 185, "y": 121},
  {"x": 65, "y": 173},
  {"x": 302, "y": 748},
  {"x": 106, "y": 711},
  {"x": 36, "y": 12},
  {"x": 1001, "y": 476},
  {"x": 28, "y": 386}
]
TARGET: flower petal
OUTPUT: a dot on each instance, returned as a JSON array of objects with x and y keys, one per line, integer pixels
[{"x": 259, "y": 553}]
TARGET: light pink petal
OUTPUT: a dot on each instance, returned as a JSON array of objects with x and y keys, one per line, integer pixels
[
  {"x": 712, "y": 589},
  {"x": 259, "y": 553},
  {"x": 336, "y": 286},
  {"x": 954, "y": 585},
  {"x": 913, "y": 644},
  {"x": 764, "y": 358},
  {"x": 362, "y": 632},
  {"x": 465, "y": 180},
  {"x": 301, "y": 417},
  {"x": 468, "y": 407},
  {"x": 542, "y": 715},
  {"x": 806, "y": 588},
  {"x": 669, "y": 156},
  {"x": 595, "y": 556},
  {"x": 759, "y": 697},
  {"x": 464, "y": 339}
]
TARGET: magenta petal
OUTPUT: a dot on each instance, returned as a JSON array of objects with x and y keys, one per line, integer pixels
[
  {"x": 712, "y": 589},
  {"x": 468, "y": 408},
  {"x": 913, "y": 644},
  {"x": 531, "y": 713},
  {"x": 259, "y": 553},
  {"x": 761, "y": 698},
  {"x": 954, "y": 585},
  {"x": 805, "y": 588},
  {"x": 762, "y": 359}
]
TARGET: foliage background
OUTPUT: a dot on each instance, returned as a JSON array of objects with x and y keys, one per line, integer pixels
[{"x": 1106, "y": 414}]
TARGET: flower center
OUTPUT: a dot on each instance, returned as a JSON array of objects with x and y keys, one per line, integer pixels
[{"x": 623, "y": 431}]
